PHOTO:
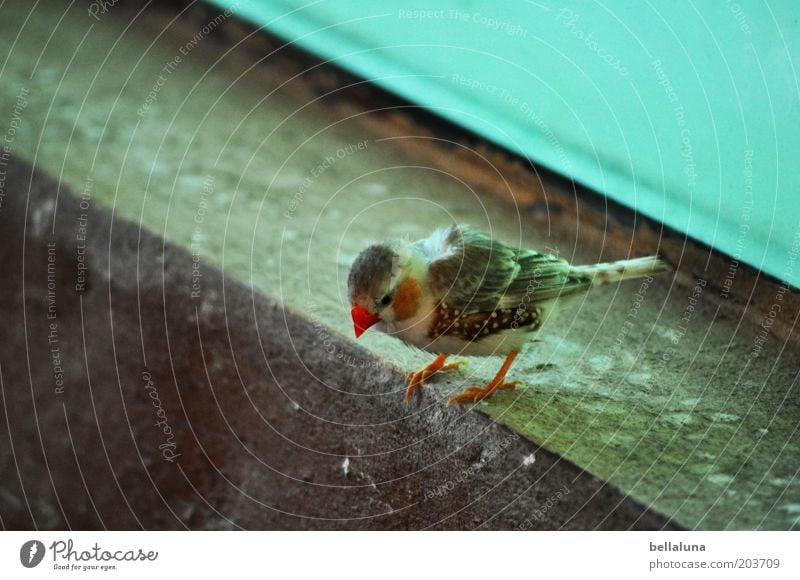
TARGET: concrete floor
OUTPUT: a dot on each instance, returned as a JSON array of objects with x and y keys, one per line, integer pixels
[
  {"x": 264, "y": 181},
  {"x": 174, "y": 412}
]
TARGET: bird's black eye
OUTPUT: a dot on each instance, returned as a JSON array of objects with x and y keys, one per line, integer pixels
[{"x": 386, "y": 299}]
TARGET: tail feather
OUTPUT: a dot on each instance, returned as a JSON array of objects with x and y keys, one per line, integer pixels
[{"x": 610, "y": 272}]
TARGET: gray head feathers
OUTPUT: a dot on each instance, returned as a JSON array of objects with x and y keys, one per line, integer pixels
[{"x": 370, "y": 272}]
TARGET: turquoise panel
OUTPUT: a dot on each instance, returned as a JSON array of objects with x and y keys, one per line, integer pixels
[{"x": 685, "y": 112}]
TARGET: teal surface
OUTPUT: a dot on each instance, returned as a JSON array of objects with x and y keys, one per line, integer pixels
[{"x": 685, "y": 112}]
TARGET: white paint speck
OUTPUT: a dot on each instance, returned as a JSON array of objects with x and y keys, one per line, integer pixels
[
  {"x": 375, "y": 188},
  {"x": 346, "y": 465},
  {"x": 529, "y": 460},
  {"x": 640, "y": 379},
  {"x": 669, "y": 334},
  {"x": 720, "y": 479},
  {"x": 601, "y": 363}
]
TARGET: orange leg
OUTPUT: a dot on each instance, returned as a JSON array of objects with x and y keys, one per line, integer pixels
[
  {"x": 416, "y": 379},
  {"x": 474, "y": 394}
]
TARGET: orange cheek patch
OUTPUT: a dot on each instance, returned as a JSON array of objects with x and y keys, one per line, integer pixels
[{"x": 406, "y": 299}]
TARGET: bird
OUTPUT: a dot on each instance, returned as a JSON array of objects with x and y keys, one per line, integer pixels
[{"x": 459, "y": 290}]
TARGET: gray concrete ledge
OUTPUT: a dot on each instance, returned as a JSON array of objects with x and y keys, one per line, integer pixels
[{"x": 268, "y": 430}]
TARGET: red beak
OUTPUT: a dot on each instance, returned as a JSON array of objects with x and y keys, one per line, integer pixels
[{"x": 362, "y": 319}]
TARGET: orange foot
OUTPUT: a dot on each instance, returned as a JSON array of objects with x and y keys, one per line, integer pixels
[
  {"x": 416, "y": 379},
  {"x": 474, "y": 394}
]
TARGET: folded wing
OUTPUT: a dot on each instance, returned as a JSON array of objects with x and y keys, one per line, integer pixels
[{"x": 472, "y": 272}]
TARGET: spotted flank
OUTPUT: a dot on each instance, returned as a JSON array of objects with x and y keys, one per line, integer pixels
[{"x": 477, "y": 325}]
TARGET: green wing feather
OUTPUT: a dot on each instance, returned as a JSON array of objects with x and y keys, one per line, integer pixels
[{"x": 474, "y": 273}]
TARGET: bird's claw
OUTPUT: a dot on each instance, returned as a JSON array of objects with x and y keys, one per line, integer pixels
[
  {"x": 414, "y": 380},
  {"x": 475, "y": 394},
  {"x": 417, "y": 378}
]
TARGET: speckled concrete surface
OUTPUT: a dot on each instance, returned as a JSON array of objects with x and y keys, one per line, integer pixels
[
  {"x": 665, "y": 400},
  {"x": 133, "y": 404}
]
